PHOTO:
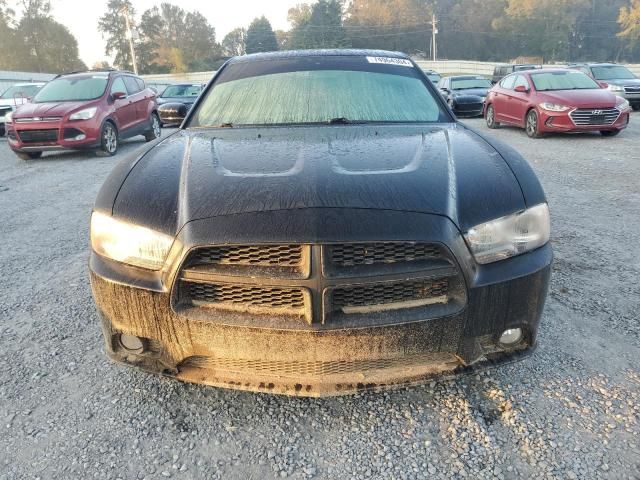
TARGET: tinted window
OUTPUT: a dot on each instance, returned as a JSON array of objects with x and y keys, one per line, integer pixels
[
  {"x": 132, "y": 85},
  {"x": 73, "y": 88},
  {"x": 469, "y": 82},
  {"x": 521, "y": 81},
  {"x": 317, "y": 90},
  {"x": 182, "y": 91},
  {"x": 118, "y": 86},
  {"x": 508, "y": 82},
  {"x": 569, "y": 80}
]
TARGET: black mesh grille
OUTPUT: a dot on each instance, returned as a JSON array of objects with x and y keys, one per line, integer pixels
[
  {"x": 38, "y": 136},
  {"x": 249, "y": 255},
  {"x": 246, "y": 296},
  {"x": 388, "y": 293},
  {"x": 353, "y": 254}
]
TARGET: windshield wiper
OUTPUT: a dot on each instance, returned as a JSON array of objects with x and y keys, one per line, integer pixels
[
  {"x": 225, "y": 125},
  {"x": 339, "y": 121}
]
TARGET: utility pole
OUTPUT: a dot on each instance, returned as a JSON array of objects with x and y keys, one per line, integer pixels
[
  {"x": 125, "y": 12},
  {"x": 434, "y": 32}
]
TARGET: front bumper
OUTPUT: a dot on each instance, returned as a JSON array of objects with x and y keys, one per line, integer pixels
[
  {"x": 76, "y": 135},
  {"x": 562, "y": 122},
  {"x": 313, "y": 360}
]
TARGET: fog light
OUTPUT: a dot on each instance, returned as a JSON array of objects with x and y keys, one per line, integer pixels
[
  {"x": 131, "y": 343},
  {"x": 511, "y": 336}
]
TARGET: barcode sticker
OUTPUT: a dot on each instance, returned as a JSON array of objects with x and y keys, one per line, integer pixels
[{"x": 401, "y": 62}]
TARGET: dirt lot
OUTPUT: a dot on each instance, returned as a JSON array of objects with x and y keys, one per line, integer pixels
[{"x": 570, "y": 411}]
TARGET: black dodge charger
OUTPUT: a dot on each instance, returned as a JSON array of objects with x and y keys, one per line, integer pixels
[
  {"x": 465, "y": 94},
  {"x": 319, "y": 225}
]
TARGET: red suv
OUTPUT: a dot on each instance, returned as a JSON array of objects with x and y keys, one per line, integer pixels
[
  {"x": 87, "y": 110},
  {"x": 555, "y": 100}
]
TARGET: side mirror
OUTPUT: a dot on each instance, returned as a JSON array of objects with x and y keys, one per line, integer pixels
[
  {"x": 521, "y": 89},
  {"x": 118, "y": 95},
  {"x": 603, "y": 84}
]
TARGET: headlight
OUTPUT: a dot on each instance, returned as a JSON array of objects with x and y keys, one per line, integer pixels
[
  {"x": 126, "y": 243},
  {"x": 85, "y": 114},
  {"x": 8, "y": 118},
  {"x": 616, "y": 88},
  {"x": 622, "y": 103},
  {"x": 511, "y": 235},
  {"x": 554, "y": 107}
]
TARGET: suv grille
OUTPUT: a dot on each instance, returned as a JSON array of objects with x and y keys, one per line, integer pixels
[
  {"x": 595, "y": 116},
  {"x": 38, "y": 136},
  {"x": 325, "y": 286}
]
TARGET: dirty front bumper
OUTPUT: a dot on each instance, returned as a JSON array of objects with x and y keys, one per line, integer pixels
[{"x": 317, "y": 358}]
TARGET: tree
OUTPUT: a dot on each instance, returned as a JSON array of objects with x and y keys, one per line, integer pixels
[
  {"x": 7, "y": 37},
  {"x": 114, "y": 30},
  {"x": 233, "y": 43},
  {"x": 47, "y": 46},
  {"x": 317, "y": 26},
  {"x": 199, "y": 47},
  {"x": 261, "y": 37},
  {"x": 629, "y": 20}
]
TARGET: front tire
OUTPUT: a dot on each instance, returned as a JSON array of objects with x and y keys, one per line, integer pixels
[
  {"x": 29, "y": 155},
  {"x": 108, "y": 140},
  {"x": 490, "y": 117},
  {"x": 156, "y": 128},
  {"x": 531, "y": 124},
  {"x": 609, "y": 133}
]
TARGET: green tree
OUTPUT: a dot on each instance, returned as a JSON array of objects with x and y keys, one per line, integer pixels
[
  {"x": 317, "y": 26},
  {"x": 261, "y": 37},
  {"x": 113, "y": 28},
  {"x": 233, "y": 43},
  {"x": 47, "y": 46},
  {"x": 7, "y": 37}
]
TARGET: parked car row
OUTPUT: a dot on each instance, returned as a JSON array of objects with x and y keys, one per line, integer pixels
[{"x": 15, "y": 96}]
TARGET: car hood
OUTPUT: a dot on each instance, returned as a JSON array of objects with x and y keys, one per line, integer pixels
[
  {"x": 581, "y": 98},
  {"x": 467, "y": 92},
  {"x": 53, "y": 109},
  {"x": 444, "y": 170},
  {"x": 624, "y": 82}
]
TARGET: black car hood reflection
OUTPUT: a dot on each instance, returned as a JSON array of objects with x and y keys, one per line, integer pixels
[
  {"x": 442, "y": 170},
  {"x": 470, "y": 92}
]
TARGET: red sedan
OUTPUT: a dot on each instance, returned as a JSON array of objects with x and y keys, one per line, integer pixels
[{"x": 555, "y": 100}]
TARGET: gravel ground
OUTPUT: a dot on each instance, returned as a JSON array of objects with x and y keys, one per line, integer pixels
[{"x": 570, "y": 411}]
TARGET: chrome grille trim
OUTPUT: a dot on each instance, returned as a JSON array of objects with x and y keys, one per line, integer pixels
[
  {"x": 594, "y": 116},
  {"x": 37, "y": 119}
]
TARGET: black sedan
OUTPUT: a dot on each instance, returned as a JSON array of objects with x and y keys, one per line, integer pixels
[
  {"x": 319, "y": 225},
  {"x": 465, "y": 94},
  {"x": 176, "y": 101}
]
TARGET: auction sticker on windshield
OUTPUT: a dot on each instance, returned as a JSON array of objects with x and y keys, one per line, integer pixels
[{"x": 403, "y": 62}]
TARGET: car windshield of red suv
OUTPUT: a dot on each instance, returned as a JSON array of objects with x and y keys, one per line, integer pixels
[
  {"x": 612, "y": 72},
  {"x": 73, "y": 89},
  {"x": 549, "y": 81}
]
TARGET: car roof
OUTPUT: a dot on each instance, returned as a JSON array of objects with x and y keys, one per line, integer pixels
[{"x": 334, "y": 52}]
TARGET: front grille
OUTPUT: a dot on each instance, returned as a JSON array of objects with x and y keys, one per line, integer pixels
[
  {"x": 246, "y": 296},
  {"x": 327, "y": 286},
  {"x": 392, "y": 295},
  {"x": 304, "y": 369},
  {"x": 38, "y": 136},
  {"x": 37, "y": 119},
  {"x": 632, "y": 89},
  {"x": 595, "y": 116},
  {"x": 351, "y": 254}
]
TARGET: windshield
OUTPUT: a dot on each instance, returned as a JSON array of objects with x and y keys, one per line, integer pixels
[
  {"x": 464, "y": 83},
  {"x": 306, "y": 90},
  {"x": 73, "y": 88},
  {"x": 563, "y": 81},
  {"x": 434, "y": 77},
  {"x": 182, "y": 91},
  {"x": 613, "y": 72},
  {"x": 20, "y": 91}
]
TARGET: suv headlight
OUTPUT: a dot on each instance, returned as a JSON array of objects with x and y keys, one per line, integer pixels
[
  {"x": 8, "y": 118},
  {"x": 616, "y": 88},
  {"x": 511, "y": 235},
  {"x": 127, "y": 243},
  {"x": 554, "y": 107},
  {"x": 86, "y": 114}
]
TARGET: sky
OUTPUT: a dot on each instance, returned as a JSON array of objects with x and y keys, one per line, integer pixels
[{"x": 81, "y": 17}]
